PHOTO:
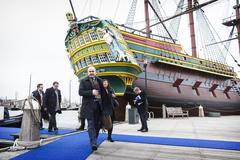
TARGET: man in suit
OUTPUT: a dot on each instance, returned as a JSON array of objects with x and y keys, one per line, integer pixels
[
  {"x": 141, "y": 103},
  {"x": 52, "y": 102},
  {"x": 39, "y": 95},
  {"x": 91, "y": 89}
]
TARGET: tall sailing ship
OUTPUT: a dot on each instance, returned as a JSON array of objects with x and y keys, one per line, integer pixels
[{"x": 158, "y": 64}]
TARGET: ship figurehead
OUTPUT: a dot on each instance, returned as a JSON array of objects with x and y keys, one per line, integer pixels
[{"x": 96, "y": 42}]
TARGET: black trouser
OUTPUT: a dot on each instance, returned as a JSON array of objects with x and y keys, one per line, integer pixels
[
  {"x": 110, "y": 130},
  {"x": 143, "y": 118},
  {"x": 41, "y": 122},
  {"x": 82, "y": 120},
  {"x": 52, "y": 121},
  {"x": 94, "y": 124},
  {"x": 41, "y": 118}
]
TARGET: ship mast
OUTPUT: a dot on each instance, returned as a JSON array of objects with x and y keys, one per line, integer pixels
[
  {"x": 234, "y": 22},
  {"x": 192, "y": 29},
  {"x": 147, "y": 18},
  {"x": 237, "y": 8}
]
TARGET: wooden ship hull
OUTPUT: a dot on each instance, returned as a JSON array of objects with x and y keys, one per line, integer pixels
[
  {"x": 128, "y": 57},
  {"x": 175, "y": 79}
]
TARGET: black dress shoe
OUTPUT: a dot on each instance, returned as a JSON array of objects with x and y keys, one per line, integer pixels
[
  {"x": 144, "y": 130},
  {"x": 94, "y": 147},
  {"x": 110, "y": 140},
  {"x": 49, "y": 130},
  {"x": 140, "y": 129},
  {"x": 80, "y": 129},
  {"x": 55, "y": 129}
]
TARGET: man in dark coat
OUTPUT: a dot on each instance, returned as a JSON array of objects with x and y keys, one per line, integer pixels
[
  {"x": 39, "y": 95},
  {"x": 91, "y": 89},
  {"x": 141, "y": 103},
  {"x": 52, "y": 102}
]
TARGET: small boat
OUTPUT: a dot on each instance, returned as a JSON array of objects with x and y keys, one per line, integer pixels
[{"x": 13, "y": 121}]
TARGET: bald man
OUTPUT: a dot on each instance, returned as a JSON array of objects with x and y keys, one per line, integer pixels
[{"x": 91, "y": 89}]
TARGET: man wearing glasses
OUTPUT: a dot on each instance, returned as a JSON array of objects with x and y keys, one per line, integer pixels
[
  {"x": 91, "y": 90},
  {"x": 52, "y": 102}
]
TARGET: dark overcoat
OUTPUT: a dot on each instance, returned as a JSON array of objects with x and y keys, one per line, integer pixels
[
  {"x": 36, "y": 95},
  {"x": 88, "y": 104},
  {"x": 50, "y": 100},
  {"x": 141, "y": 102},
  {"x": 107, "y": 102}
]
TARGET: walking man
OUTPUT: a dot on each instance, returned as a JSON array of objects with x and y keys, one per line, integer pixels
[
  {"x": 39, "y": 95},
  {"x": 141, "y": 103},
  {"x": 53, "y": 104},
  {"x": 91, "y": 90}
]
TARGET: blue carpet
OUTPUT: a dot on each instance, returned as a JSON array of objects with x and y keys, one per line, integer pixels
[
  {"x": 214, "y": 144},
  {"x": 77, "y": 146},
  {"x": 6, "y": 132},
  {"x": 72, "y": 147}
]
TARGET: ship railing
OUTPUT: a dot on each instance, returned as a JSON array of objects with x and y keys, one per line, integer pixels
[
  {"x": 144, "y": 34},
  {"x": 229, "y": 19},
  {"x": 89, "y": 18}
]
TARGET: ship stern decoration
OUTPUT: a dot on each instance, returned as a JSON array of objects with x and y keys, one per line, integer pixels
[{"x": 99, "y": 43}]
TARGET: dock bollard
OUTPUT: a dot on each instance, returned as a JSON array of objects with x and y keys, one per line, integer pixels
[
  {"x": 128, "y": 106},
  {"x": 200, "y": 111},
  {"x": 30, "y": 136}
]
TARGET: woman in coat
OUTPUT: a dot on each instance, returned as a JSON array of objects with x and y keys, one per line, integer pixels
[{"x": 108, "y": 105}]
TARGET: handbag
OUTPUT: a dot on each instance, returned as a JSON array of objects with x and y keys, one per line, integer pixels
[{"x": 107, "y": 122}]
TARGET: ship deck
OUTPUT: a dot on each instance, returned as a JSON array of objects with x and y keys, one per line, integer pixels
[{"x": 216, "y": 132}]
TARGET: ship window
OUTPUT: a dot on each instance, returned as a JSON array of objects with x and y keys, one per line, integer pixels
[
  {"x": 101, "y": 34},
  {"x": 70, "y": 48},
  {"x": 184, "y": 58},
  {"x": 94, "y": 59},
  {"x": 73, "y": 47},
  {"x": 79, "y": 65},
  {"x": 77, "y": 43},
  {"x": 83, "y": 63},
  {"x": 110, "y": 56},
  {"x": 88, "y": 61},
  {"x": 94, "y": 36},
  {"x": 103, "y": 58},
  {"x": 86, "y": 37},
  {"x": 81, "y": 40}
]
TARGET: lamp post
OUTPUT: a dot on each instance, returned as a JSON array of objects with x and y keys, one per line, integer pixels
[
  {"x": 145, "y": 70},
  {"x": 70, "y": 87}
]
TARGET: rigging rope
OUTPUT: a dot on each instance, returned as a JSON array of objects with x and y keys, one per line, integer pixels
[
  {"x": 159, "y": 27},
  {"x": 224, "y": 45},
  {"x": 221, "y": 53},
  {"x": 175, "y": 23},
  {"x": 208, "y": 37},
  {"x": 131, "y": 14},
  {"x": 227, "y": 45}
]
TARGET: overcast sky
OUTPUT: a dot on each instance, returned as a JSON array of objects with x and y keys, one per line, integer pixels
[{"x": 32, "y": 34}]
